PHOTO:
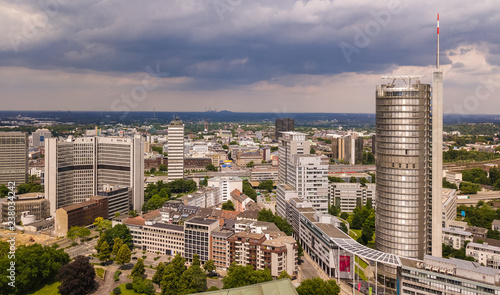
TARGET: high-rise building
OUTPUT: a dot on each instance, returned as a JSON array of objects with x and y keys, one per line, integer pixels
[
  {"x": 300, "y": 175},
  {"x": 338, "y": 147},
  {"x": 353, "y": 149},
  {"x": 284, "y": 125},
  {"x": 404, "y": 214},
  {"x": 79, "y": 168},
  {"x": 13, "y": 157},
  {"x": 175, "y": 150}
]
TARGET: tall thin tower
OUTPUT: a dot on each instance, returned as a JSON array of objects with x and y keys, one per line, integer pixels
[
  {"x": 175, "y": 146},
  {"x": 437, "y": 154}
]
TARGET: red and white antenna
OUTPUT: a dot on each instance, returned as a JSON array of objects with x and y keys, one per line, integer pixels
[{"x": 437, "y": 55}]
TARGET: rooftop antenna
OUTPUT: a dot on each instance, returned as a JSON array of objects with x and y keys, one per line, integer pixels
[{"x": 437, "y": 55}]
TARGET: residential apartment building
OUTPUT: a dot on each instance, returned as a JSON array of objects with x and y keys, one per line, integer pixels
[
  {"x": 13, "y": 157},
  {"x": 348, "y": 196},
  {"x": 485, "y": 254},
  {"x": 226, "y": 185},
  {"x": 166, "y": 239},
  {"x": 175, "y": 150},
  {"x": 220, "y": 248},
  {"x": 197, "y": 237},
  {"x": 81, "y": 214},
  {"x": 456, "y": 238},
  {"x": 76, "y": 169}
]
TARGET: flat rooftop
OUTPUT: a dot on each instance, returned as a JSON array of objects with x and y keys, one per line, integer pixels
[
  {"x": 200, "y": 220},
  {"x": 167, "y": 226}
]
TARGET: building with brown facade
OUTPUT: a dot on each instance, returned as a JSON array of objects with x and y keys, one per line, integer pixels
[{"x": 81, "y": 214}]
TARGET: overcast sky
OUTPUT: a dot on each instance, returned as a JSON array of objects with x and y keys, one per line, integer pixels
[{"x": 242, "y": 55}]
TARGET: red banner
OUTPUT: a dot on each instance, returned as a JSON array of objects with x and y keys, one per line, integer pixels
[{"x": 345, "y": 263}]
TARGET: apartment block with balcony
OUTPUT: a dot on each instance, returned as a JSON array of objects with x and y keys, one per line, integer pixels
[
  {"x": 456, "y": 238},
  {"x": 220, "y": 248},
  {"x": 485, "y": 254}
]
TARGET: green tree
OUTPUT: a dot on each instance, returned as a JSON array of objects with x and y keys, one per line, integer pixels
[
  {"x": 353, "y": 179},
  {"x": 73, "y": 233},
  {"x": 118, "y": 231},
  {"x": 193, "y": 280},
  {"x": 250, "y": 164},
  {"x": 318, "y": 286},
  {"x": 138, "y": 270},
  {"x": 211, "y": 167},
  {"x": 267, "y": 185},
  {"x": 213, "y": 288},
  {"x": 300, "y": 250},
  {"x": 152, "y": 170},
  {"x": 369, "y": 203},
  {"x": 170, "y": 284},
  {"x": 132, "y": 213},
  {"x": 117, "y": 245},
  {"x": 239, "y": 276},
  {"x": 344, "y": 215},
  {"x": 78, "y": 277},
  {"x": 142, "y": 286},
  {"x": 363, "y": 181},
  {"x": 196, "y": 260},
  {"x": 225, "y": 147},
  {"x": 447, "y": 184},
  {"x": 162, "y": 167},
  {"x": 233, "y": 143},
  {"x": 249, "y": 191},
  {"x": 493, "y": 234},
  {"x": 469, "y": 188},
  {"x": 209, "y": 266},
  {"x": 104, "y": 251},
  {"x": 159, "y": 273},
  {"x": 203, "y": 182},
  {"x": 102, "y": 224},
  {"x": 494, "y": 175},
  {"x": 284, "y": 275},
  {"x": 35, "y": 265},
  {"x": 4, "y": 191},
  {"x": 312, "y": 151},
  {"x": 228, "y": 206},
  {"x": 117, "y": 214},
  {"x": 123, "y": 255},
  {"x": 496, "y": 185}
]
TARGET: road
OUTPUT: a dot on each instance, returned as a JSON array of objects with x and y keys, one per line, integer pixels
[{"x": 86, "y": 248}]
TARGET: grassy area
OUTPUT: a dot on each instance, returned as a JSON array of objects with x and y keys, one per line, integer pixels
[
  {"x": 361, "y": 263},
  {"x": 99, "y": 272},
  {"x": 361, "y": 273},
  {"x": 125, "y": 291},
  {"x": 49, "y": 289},
  {"x": 355, "y": 233}
]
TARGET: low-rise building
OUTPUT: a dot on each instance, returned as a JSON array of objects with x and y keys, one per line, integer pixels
[
  {"x": 455, "y": 238},
  {"x": 495, "y": 225},
  {"x": 264, "y": 173},
  {"x": 348, "y": 196},
  {"x": 485, "y": 254},
  {"x": 477, "y": 231},
  {"x": 135, "y": 226},
  {"x": 81, "y": 214},
  {"x": 166, "y": 239},
  {"x": 240, "y": 200},
  {"x": 220, "y": 248},
  {"x": 35, "y": 203},
  {"x": 206, "y": 198}
]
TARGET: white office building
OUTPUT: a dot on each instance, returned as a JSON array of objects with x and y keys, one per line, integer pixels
[
  {"x": 175, "y": 150},
  {"x": 77, "y": 169},
  {"x": 348, "y": 196},
  {"x": 226, "y": 185}
]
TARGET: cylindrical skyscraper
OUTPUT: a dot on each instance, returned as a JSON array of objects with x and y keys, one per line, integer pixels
[{"x": 403, "y": 128}]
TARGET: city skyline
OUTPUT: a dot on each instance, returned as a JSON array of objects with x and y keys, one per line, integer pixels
[{"x": 297, "y": 56}]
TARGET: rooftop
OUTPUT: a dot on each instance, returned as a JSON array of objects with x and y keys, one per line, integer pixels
[
  {"x": 200, "y": 220},
  {"x": 167, "y": 226},
  {"x": 279, "y": 287}
]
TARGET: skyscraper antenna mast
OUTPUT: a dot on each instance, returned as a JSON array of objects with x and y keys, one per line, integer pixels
[{"x": 437, "y": 55}]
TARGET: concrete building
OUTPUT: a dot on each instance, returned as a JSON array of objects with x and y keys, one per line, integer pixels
[
  {"x": 166, "y": 239},
  {"x": 453, "y": 177},
  {"x": 353, "y": 149},
  {"x": 456, "y": 238},
  {"x": 485, "y": 254},
  {"x": 348, "y": 196},
  {"x": 39, "y": 136},
  {"x": 435, "y": 275},
  {"x": 338, "y": 147},
  {"x": 79, "y": 168},
  {"x": 119, "y": 199},
  {"x": 175, "y": 150},
  {"x": 34, "y": 203},
  {"x": 264, "y": 173},
  {"x": 226, "y": 185},
  {"x": 197, "y": 237},
  {"x": 408, "y": 215},
  {"x": 449, "y": 206},
  {"x": 81, "y": 214},
  {"x": 283, "y": 125},
  {"x": 243, "y": 158},
  {"x": 13, "y": 157},
  {"x": 495, "y": 224}
]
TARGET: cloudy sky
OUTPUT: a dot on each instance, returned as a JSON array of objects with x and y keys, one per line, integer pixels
[{"x": 242, "y": 55}]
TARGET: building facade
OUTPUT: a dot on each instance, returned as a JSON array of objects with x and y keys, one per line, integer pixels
[
  {"x": 167, "y": 239},
  {"x": 404, "y": 198},
  {"x": 13, "y": 157},
  {"x": 348, "y": 196},
  {"x": 283, "y": 125},
  {"x": 79, "y": 168},
  {"x": 35, "y": 203},
  {"x": 119, "y": 199},
  {"x": 81, "y": 214},
  {"x": 226, "y": 185},
  {"x": 175, "y": 150},
  {"x": 197, "y": 237}
]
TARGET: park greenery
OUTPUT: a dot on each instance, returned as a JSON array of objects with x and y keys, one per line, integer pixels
[
  {"x": 481, "y": 215},
  {"x": 78, "y": 232},
  {"x": 156, "y": 194},
  {"x": 267, "y": 185},
  {"x": 449, "y": 251},
  {"x": 109, "y": 237},
  {"x": 35, "y": 265},
  {"x": 479, "y": 176},
  {"x": 176, "y": 279},
  {"x": 447, "y": 184},
  {"x": 451, "y": 156},
  {"x": 249, "y": 191},
  {"x": 228, "y": 206}
]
